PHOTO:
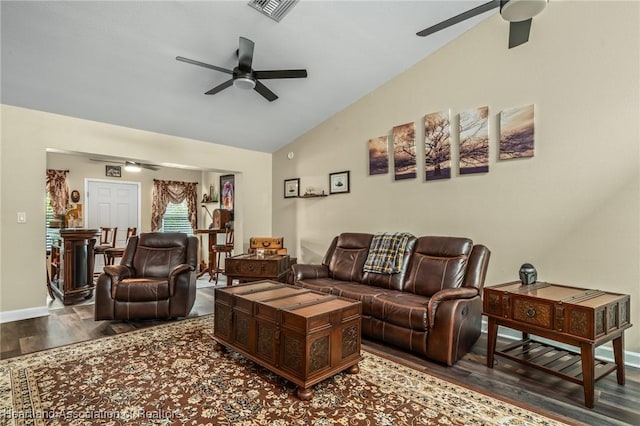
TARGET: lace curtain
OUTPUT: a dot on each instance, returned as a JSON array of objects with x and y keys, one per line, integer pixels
[
  {"x": 170, "y": 191},
  {"x": 58, "y": 190}
]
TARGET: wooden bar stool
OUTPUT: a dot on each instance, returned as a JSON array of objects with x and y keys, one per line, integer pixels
[
  {"x": 114, "y": 252},
  {"x": 107, "y": 240},
  {"x": 218, "y": 250}
]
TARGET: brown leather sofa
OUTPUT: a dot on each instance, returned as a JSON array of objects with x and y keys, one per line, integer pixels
[
  {"x": 156, "y": 278},
  {"x": 432, "y": 306}
]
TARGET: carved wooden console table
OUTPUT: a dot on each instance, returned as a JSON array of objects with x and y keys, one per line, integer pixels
[
  {"x": 575, "y": 316},
  {"x": 299, "y": 334}
]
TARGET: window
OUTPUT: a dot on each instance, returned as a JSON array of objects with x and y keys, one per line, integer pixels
[
  {"x": 52, "y": 233},
  {"x": 176, "y": 219}
]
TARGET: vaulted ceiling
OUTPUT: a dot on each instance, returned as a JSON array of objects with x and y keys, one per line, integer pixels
[{"x": 114, "y": 61}]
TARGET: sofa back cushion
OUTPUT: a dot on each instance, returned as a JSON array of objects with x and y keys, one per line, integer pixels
[
  {"x": 158, "y": 253},
  {"x": 438, "y": 263},
  {"x": 349, "y": 256},
  {"x": 392, "y": 281}
]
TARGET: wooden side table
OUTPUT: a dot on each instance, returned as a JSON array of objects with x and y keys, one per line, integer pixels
[
  {"x": 574, "y": 316},
  {"x": 252, "y": 267}
]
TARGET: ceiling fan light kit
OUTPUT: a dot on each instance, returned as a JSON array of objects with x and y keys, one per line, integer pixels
[
  {"x": 130, "y": 166},
  {"x": 521, "y": 10},
  {"x": 244, "y": 83}
]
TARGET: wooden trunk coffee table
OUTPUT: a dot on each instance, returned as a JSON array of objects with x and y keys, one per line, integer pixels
[
  {"x": 575, "y": 316},
  {"x": 302, "y": 335}
]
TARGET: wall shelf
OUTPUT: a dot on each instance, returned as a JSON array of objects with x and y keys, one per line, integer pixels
[{"x": 312, "y": 196}]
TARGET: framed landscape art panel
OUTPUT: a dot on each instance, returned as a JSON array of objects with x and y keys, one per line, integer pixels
[
  {"x": 474, "y": 141},
  {"x": 404, "y": 151},
  {"x": 379, "y": 155},
  {"x": 516, "y": 132},
  {"x": 437, "y": 146}
]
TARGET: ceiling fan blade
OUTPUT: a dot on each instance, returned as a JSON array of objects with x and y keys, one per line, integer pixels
[
  {"x": 519, "y": 32},
  {"x": 202, "y": 64},
  {"x": 459, "y": 18},
  {"x": 220, "y": 87},
  {"x": 264, "y": 91},
  {"x": 149, "y": 166},
  {"x": 245, "y": 54},
  {"x": 280, "y": 74}
]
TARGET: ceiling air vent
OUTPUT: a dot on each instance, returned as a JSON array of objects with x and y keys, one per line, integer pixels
[{"x": 274, "y": 9}]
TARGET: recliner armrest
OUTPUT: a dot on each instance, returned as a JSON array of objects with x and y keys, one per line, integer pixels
[
  {"x": 118, "y": 273},
  {"x": 176, "y": 272},
  {"x": 301, "y": 271},
  {"x": 178, "y": 269},
  {"x": 448, "y": 294}
]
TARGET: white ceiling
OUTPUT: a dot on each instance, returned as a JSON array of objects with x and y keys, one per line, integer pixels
[{"x": 114, "y": 61}]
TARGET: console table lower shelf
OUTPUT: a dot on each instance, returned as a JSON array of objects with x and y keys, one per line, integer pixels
[{"x": 581, "y": 368}]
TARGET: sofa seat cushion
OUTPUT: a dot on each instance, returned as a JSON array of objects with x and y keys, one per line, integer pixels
[
  {"x": 142, "y": 289},
  {"x": 403, "y": 309},
  {"x": 362, "y": 292}
]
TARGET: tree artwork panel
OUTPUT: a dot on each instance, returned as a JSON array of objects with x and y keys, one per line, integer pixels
[
  {"x": 379, "y": 155},
  {"x": 437, "y": 146},
  {"x": 404, "y": 151},
  {"x": 474, "y": 141},
  {"x": 516, "y": 132}
]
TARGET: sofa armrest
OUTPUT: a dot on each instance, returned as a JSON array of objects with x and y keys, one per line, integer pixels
[
  {"x": 448, "y": 294},
  {"x": 301, "y": 272}
]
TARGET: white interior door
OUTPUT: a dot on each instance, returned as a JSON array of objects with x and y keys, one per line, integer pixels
[{"x": 112, "y": 204}]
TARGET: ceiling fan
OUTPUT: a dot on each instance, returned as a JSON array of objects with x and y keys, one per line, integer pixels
[
  {"x": 519, "y": 13},
  {"x": 131, "y": 166},
  {"x": 244, "y": 76}
]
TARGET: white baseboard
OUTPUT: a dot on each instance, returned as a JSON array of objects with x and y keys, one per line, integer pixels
[
  {"x": 604, "y": 352},
  {"x": 21, "y": 314}
]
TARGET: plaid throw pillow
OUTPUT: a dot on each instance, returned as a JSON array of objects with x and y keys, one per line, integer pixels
[{"x": 385, "y": 253}]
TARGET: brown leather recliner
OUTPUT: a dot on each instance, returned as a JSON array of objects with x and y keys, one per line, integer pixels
[{"x": 156, "y": 278}]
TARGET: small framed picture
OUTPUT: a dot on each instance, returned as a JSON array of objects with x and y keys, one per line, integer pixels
[
  {"x": 292, "y": 188},
  {"x": 227, "y": 192},
  {"x": 113, "y": 171},
  {"x": 339, "y": 182}
]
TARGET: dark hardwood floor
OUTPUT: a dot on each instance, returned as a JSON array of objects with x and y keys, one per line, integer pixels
[{"x": 537, "y": 391}]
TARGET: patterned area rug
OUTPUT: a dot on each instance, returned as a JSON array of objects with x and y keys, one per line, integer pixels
[{"x": 171, "y": 375}]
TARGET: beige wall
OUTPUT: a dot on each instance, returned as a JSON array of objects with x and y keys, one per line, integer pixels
[
  {"x": 27, "y": 134},
  {"x": 573, "y": 210}
]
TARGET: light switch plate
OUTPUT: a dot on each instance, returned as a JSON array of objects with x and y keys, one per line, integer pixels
[{"x": 22, "y": 217}]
